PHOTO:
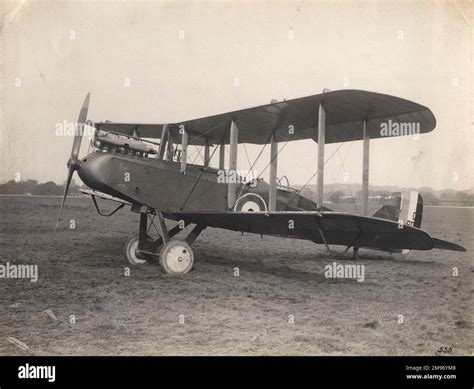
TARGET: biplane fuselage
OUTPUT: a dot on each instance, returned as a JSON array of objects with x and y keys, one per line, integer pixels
[
  {"x": 161, "y": 185},
  {"x": 157, "y": 181}
]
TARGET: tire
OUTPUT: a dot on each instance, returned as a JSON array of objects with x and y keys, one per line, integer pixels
[
  {"x": 131, "y": 252},
  {"x": 176, "y": 257}
]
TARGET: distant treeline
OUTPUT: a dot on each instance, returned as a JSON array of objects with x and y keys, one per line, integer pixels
[
  {"x": 32, "y": 187},
  {"x": 448, "y": 197}
]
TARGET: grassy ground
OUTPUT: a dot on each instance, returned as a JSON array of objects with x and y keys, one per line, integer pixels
[{"x": 210, "y": 311}]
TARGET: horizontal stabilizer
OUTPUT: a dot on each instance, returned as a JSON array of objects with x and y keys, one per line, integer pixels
[{"x": 445, "y": 245}]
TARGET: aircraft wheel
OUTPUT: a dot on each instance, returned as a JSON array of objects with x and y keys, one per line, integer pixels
[
  {"x": 131, "y": 252},
  {"x": 176, "y": 257}
]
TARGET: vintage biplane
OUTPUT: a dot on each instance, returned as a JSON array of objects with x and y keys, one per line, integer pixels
[{"x": 157, "y": 181}]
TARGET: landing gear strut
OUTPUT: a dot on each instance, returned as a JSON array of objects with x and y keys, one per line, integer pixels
[
  {"x": 175, "y": 257},
  {"x": 356, "y": 254}
]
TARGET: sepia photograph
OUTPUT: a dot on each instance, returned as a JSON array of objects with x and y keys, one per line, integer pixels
[{"x": 220, "y": 178}]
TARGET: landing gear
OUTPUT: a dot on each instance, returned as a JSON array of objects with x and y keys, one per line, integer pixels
[
  {"x": 131, "y": 252},
  {"x": 138, "y": 246},
  {"x": 356, "y": 254},
  {"x": 175, "y": 256}
]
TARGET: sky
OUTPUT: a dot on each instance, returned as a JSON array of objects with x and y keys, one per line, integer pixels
[{"x": 158, "y": 62}]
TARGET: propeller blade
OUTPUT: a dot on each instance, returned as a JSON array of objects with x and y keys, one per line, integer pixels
[
  {"x": 73, "y": 163},
  {"x": 76, "y": 146},
  {"x": 66, "y": 189}
]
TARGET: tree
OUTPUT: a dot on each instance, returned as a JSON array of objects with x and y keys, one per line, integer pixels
[
  {"x": 48, "y": 189},
  {"x": 429, "y": 198},
  {"x": 335, "y": 197}
]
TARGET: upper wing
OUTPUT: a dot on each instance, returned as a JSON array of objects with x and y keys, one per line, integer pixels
[
  {"x": 332, "y": 227},
  {"x": 346, "y": 110},
  {"x": 133, "y": 129}
]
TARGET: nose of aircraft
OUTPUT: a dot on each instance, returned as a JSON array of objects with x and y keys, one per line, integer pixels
[{"x": 93, "y": 170}]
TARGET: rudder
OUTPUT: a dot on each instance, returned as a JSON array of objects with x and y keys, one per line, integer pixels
[{"x": 411, "y": 208}]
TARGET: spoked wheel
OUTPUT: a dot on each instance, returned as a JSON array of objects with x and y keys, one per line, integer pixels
[
  {"x": 176, "y": 257},
  {"x": 131, "y": 252}
]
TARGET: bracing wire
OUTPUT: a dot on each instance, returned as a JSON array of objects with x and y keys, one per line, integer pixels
[
  {"x": 316, "y": 172},
  {"x": 198, "y": 179}
]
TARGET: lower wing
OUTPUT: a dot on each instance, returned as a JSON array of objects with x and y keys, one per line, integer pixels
[{"x": 323, "y": 227}]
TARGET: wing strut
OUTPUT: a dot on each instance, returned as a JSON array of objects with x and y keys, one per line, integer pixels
[
  {"x": 184, "y": 150},
  {"x": 222, "y": 156},
  {"x": 321, "y": 142},
  {"x": 273, "y": 174},
  {"x": 365, "y": 171},
  {"x": 207, "y": 157},
  {"x": 163, "y": 141},
  {"x": 234, "y": 141}
]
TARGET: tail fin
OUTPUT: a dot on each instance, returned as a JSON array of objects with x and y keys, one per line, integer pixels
[
  {"x": 411, "y": 208},
  {"x": 406, "y": 208}
]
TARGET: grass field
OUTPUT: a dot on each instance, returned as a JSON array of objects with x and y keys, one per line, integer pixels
[{"x": 210, "y": 311}]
